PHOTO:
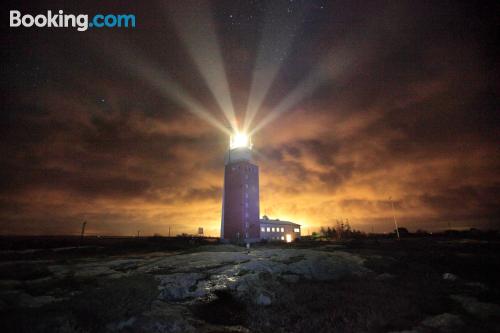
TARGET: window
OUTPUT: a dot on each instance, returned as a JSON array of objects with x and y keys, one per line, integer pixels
[
  {"x": 268, "y": 229},
  {"x": 262, "y": 229},
  {"x": 296, "y": 229},
  {"x": 273, "y": 229},
  {"x": 246, "y": 185},
  {"x": 246, "y": 214},
  {"x": 282, "y": 229},
  {"x": 282, "y": 237}
]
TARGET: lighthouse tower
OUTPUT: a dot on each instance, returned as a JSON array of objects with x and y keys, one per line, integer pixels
[{"x": 240, "y": 198}]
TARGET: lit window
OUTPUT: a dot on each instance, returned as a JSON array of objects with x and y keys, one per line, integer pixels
[
  {"x": 296, "y": 229},
  {"x": 282, "y": 229},
  {"x": 263, "y": 229},
  {"x": 268, "y": 229},
  {"x": 282, "y": 237},
  {"x": 273, "y": 229}
]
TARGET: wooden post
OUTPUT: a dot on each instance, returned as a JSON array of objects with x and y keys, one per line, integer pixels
[
  {"x": 84, "y": 224},
  {"x": 394, "y": 215}
]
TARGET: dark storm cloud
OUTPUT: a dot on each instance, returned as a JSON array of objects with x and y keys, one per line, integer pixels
[
  {"x": 459, "y": 202},
  {"x": 409, "y": 112},
  {"x": 212, "y": 193}
]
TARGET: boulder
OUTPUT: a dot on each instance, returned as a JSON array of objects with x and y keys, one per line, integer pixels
[
  {"x": 263, "y": 299},
  {"x": 476, "y": 308},
  {"x": 444, "y": 322},
  {"x": 179, "y": 286}
]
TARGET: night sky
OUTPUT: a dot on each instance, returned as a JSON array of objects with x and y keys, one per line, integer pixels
[{"x": 354, "y": 103}]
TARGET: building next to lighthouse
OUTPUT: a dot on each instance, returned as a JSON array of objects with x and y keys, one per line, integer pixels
[
  {"x": 240, "y": 200},
  {"x": 278, "y": 230}
]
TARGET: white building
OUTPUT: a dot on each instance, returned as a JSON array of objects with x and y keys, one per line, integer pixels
[{"x": 278, "y": 230}]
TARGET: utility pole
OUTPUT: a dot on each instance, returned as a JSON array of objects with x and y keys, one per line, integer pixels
[
  {"x": 168, "y": 231},
  {"x": 84, "y": 224},
  {"x": 394, "y": 215}
]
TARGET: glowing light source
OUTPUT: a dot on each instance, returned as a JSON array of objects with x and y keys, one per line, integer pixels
[
  {"x": 239, "y": 140},
  {"x": 288, "y": 238}
]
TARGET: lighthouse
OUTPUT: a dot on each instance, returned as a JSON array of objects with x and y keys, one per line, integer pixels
[{"x": 240, "y": 199}]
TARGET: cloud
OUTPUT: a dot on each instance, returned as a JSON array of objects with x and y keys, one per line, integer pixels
[{"x": 411, "y": 115}]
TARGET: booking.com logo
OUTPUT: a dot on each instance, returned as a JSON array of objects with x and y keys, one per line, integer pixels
[{"x": 81, "y": 21}]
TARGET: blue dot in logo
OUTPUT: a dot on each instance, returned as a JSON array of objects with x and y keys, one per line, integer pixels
[{"x": 91, "y": 24}]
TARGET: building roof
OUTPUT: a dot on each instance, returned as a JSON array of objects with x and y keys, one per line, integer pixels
[{"x": 266, "y": 219}]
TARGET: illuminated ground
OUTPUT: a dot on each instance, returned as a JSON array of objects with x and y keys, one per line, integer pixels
[{"x": 417, "y": 285}]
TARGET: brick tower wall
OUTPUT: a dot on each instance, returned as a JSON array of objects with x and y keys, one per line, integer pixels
[{"x": 241, "y": 202}]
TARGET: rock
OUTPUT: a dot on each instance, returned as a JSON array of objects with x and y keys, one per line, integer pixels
[
  {"x": 262, "y": 299},
  {"x": 445, "y": 322},
  {"x": 26, "y": 300},
  {"x": 481, "y": 310},
  {"x": 450, "y": 277},
  {"x": 323, "y": 266},
  {"x": 291, "y": 278},
  {"x": 202, "y": 261},
  {"x": 93, "y": 270},
  {"x": 39, "y": 283},
  {"x": 59, "y": 271},
  {"x": 385, "y": 277},
  {"x": 118, "y": 326},
  {"x": 179, "y": 286},
  {"x": 10, "y": 284},
  {"x": 164, "y": 318},
  {"x": 477, "y": 285}
]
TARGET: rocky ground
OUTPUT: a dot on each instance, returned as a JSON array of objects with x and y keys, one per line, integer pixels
[{"x": 344, "y": 287}]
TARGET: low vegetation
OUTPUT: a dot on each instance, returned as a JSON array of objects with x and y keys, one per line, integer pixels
[{"x": 444, "y": 280}]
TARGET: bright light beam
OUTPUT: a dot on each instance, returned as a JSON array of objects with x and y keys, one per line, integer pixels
[
  {"x": 277, "y": 37},
  {"x": 333, "y": 66},
  {"x": 301, "y": 91},
  {"x": 196, "y": 29},
  {"x": 163, "y": 83}
]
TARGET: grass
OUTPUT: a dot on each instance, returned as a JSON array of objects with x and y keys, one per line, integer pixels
[
  {"x": 412, "y": 290},
  {"x": 349, "y": 305},
  {"x": 90, "y": 311}
]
